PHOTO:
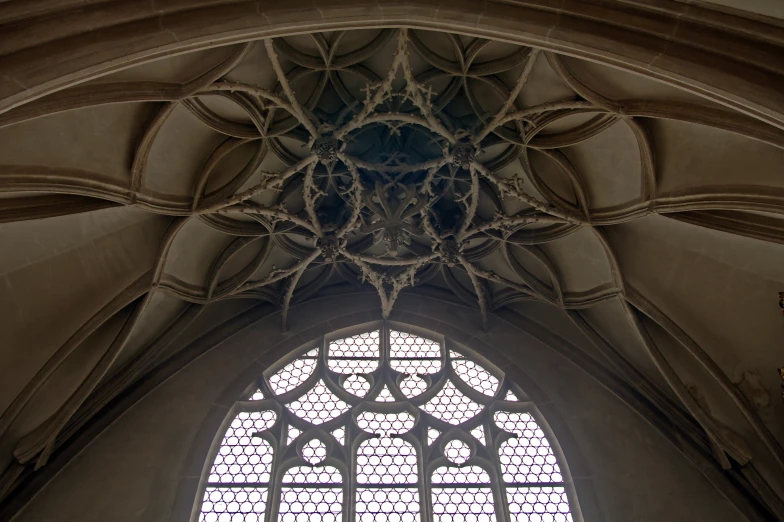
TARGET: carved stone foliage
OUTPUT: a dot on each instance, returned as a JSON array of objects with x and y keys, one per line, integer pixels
[{"x": 401, "y": 162}]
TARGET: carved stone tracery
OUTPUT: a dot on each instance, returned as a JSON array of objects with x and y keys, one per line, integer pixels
[
  {"x": 402, "y": 175},
  {"x": 412, "y": 173}
]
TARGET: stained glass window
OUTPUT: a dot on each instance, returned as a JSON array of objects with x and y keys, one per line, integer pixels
[{"x": 384, "y": 425}]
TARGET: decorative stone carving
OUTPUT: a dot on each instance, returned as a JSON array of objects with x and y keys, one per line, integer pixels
[
  {"x": 326, "y": 149},
  {"x": 330, "y": 247},
  {"x": 450, "y": 251},
  {"x": 390, "y": 180},
  {"x": 464, "y": 155}
]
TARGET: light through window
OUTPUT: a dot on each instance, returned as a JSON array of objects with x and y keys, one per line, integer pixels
[{"x": 384, "y": 426}]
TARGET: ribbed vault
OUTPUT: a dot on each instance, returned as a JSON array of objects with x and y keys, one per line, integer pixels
[{"x": 639, "y": 219}]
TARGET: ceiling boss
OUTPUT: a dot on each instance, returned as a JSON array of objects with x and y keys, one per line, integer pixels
[{"x": 404, "y": 181}]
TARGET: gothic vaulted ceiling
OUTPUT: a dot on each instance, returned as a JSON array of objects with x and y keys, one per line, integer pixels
[{"x": 639, "y": 219}]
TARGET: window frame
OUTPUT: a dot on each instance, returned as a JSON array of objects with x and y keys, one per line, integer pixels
[{"x": 425, "y": 469}]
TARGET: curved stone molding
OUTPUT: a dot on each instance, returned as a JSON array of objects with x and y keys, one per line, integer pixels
[{"x": 445, "y": 149}]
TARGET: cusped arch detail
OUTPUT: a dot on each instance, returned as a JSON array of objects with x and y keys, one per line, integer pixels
[{"x": 451, "y": 459}]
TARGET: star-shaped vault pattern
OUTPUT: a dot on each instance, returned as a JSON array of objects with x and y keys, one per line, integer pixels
[{"x": 395, "y": 160}]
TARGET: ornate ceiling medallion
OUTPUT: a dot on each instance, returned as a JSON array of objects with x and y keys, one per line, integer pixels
[{"x": 404, "y": 180}]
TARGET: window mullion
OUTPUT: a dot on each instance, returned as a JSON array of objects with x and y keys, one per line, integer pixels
[
  {"x": 498, "y": 419},
  {"x": 276, "y": 478},
  {"x": 502, "y": 513},
  {"x": 425, "y": 491},
  {"x": 350, "y": 489}
]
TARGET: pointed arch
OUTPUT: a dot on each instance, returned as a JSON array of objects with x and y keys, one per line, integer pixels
[{"x": 385, "y": 422}]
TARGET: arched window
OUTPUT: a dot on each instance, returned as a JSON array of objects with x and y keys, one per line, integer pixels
[{"x": 384, "y": 425}]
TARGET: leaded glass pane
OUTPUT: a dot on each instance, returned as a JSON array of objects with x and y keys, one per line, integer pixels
[
  {"x": 316, "y": 505},
  {"x": 385, "y": 423},
  {"x": 451, "y": 406},
  {"x": 413, "y": 386},
  {"x": 292, "y": 375},
  {"x": 479, "y": 433},
  {"x": 386, "y": 460},
  {"x": 357, "y": 385},
  {"x": 456, "y": 497},
  {"x": 241, "y": 456},
  {"x": 463, "y": 505},
  {"x": 318, "y": 405},
  {"x": 292, "y": 434},
  {"x": 527, "y": 457},
  {"x": 357, "y": 354},
  {"x": 385, "y": 482},
  {"x": 474, "y": 375},
  {"x": 314, "y": 451},
  {"x": 384, "y": 395},
  {"x": 543, "y": 504},
  {"x": 340, "y": 435},
  {"x": 413, "y": 354},
  {"x": 245, "y": 504},
  {"x": 387, "y": 505},
  {"x": 311, "y": 493},
  {"x": 312, "y": 475}
]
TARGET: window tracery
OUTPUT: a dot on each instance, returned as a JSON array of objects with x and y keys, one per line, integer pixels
[{"x": 384, "y": 425}]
